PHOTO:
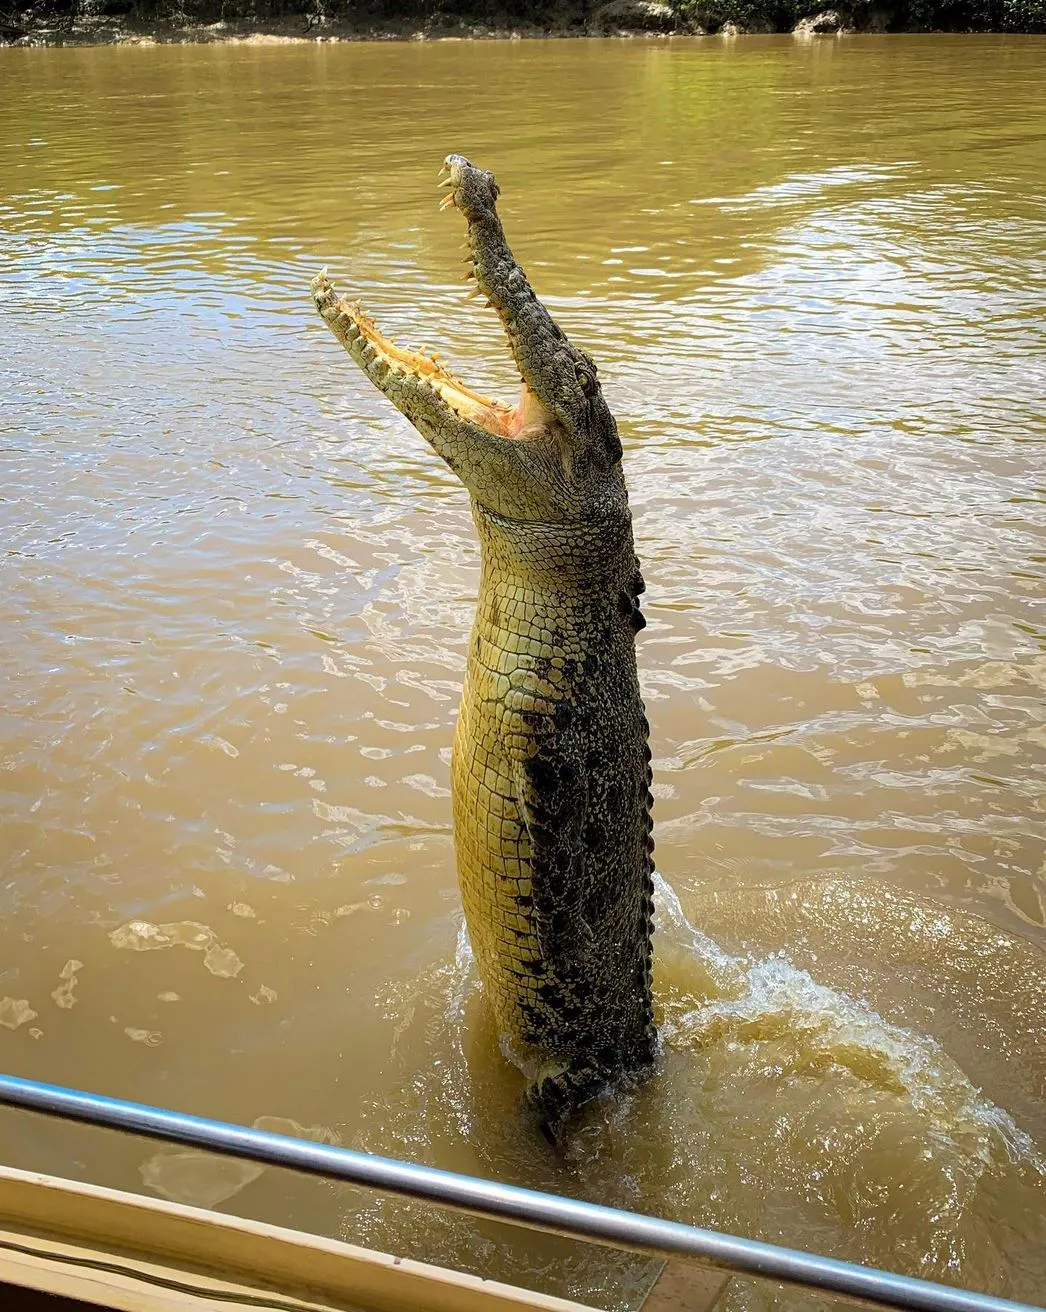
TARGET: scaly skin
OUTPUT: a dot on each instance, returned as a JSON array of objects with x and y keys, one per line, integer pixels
[{"x": 550, "y": 773}]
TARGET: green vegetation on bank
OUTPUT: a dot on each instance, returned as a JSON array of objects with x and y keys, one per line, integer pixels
[{"x": 99, "y": 20}]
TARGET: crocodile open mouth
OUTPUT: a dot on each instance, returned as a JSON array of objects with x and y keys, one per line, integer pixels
[
  {"x": 416, "y": 382},
  {"x": 518, "y": 421}
]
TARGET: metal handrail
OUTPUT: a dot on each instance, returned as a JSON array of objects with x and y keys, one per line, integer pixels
[{"x": 548, "y": 1213}]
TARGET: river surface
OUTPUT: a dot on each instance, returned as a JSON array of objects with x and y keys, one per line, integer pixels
[{"x": 237, "y": 588}]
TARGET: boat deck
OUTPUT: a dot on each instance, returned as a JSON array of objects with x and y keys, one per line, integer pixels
[{"x": 66, "y": 1246}]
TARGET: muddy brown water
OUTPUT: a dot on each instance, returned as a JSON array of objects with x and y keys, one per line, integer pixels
[{"x": 237, "y": 589}]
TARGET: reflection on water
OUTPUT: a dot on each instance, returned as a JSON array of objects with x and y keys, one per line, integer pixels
[{"x": 237, "y": 589}]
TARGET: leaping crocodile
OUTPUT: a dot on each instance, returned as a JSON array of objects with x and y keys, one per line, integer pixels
[{"x": 550, "y": 773}]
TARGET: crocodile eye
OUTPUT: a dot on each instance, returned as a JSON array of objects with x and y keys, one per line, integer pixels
[{"x": 585, "y": 381}]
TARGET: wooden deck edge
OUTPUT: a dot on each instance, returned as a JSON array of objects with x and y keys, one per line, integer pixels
[
  {"x": 252, "y": 1255},
  {"x": 123, "y": 1284}
]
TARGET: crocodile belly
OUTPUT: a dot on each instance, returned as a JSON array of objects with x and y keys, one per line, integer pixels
[{"x": 494, "y": 867}]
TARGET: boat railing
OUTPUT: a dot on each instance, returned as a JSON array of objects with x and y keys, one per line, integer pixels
[{"x": 548, "y": 1213}]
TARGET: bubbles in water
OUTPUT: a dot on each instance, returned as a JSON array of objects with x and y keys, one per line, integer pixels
[
  {"x": 15, "y": 1012},
  {"x": 144, "y": 936},
  {"x": 222, "y": 961},
  {"x": 201, "y": 1179},
  {"x": 196, "y": 1178},
  {"x": 63, "y": 995},
  {"x": 286, "y": 1125},
  {"x": 151, "y": 1038}
]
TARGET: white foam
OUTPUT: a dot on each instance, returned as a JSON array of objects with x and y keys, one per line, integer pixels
[{"x": 769, "y": 997}]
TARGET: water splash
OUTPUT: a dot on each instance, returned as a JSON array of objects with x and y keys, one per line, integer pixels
[
  {"x": 782, "y": 1107},
  {"x": 753, "y": 1000}
]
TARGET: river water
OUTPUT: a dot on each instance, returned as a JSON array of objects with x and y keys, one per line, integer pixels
[{"x": 237, "y": 589}]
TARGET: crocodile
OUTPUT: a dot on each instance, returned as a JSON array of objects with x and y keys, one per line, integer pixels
[{"x": 550, "y": 769}]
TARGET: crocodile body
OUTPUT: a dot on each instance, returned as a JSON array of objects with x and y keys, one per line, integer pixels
[{"x": 550, "y": 772}]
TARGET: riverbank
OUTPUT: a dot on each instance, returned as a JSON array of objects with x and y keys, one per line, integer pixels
[{"x": 156, "y": 22}]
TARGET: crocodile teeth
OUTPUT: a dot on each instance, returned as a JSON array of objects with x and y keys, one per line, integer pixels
[{"x": 447, "y": 201}]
